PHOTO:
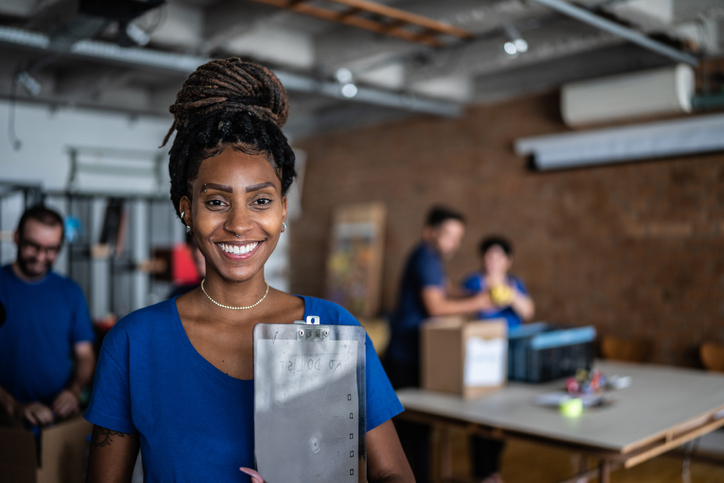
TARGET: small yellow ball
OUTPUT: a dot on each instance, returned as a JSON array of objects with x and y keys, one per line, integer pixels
[{"x": 572, "y": 408}]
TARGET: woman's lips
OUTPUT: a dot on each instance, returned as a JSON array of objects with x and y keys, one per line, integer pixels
[{"x": 240, "y": 250}]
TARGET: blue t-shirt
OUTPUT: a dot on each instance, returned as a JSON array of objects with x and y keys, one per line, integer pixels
[
  {"x": 44, "y": 321},
  {"x": 475, "y": 283},
  {"x": 424, "y": 268},
  {"x": 196, "y": 424}
]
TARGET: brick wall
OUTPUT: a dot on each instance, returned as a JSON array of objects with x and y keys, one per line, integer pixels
[{"x": 636, "y": 250}]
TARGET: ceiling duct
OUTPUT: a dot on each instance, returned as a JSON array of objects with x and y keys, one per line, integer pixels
[
  {"x": 700, "y": 134},
  {"x": 656, "y": 92}
]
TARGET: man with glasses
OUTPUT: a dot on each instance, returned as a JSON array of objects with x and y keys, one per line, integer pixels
[{"x": 46, "y": 342}]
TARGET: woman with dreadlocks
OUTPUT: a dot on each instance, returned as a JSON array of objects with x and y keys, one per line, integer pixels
[{"x": 176, "y": 378}]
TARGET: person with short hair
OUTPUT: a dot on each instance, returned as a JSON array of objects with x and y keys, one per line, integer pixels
[
  {"x": 509, "y": 301},
  {"x": 176, "y": 379},
  {"x": 425, "y": 292},
  {"x": 509, "y": 296},
  {"x": 46, "y": 342}
]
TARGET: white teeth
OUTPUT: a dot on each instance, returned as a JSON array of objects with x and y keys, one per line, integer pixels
[{"x": 238, "y": 249}]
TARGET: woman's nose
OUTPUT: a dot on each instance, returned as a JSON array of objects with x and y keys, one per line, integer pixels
[{"x": 239, "y": 221}]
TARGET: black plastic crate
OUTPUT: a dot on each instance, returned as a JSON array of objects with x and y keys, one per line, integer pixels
[{"x": 539, "y": 352}]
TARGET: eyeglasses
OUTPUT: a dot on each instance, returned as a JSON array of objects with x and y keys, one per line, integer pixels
[{"x": 34, "y": 249}]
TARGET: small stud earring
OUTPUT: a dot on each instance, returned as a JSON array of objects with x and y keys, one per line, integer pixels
[{"x": 284, "y": 226}]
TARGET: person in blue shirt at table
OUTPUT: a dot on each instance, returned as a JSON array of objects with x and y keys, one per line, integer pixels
[
  {"x": 46, "y": 343},
  {"x": 425, "y": 292},
  {"x": 509, "y": 297},
  {"x": 510, "y": 301},
  {"x": 176, "y": 378}
]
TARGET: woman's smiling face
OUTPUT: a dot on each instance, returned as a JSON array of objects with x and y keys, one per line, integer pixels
[{"x": 237, "y": 212}]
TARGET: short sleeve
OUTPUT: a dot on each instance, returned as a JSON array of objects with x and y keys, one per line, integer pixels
[
  {"x": 82, "y": 325},
  {"x": 473, "y": 284},
  {"x": 110, "y": 403},
  {"x": 382, "y": 402},
  {"x": 430, "y": 271},
  {"x": 520, "y": 286}
]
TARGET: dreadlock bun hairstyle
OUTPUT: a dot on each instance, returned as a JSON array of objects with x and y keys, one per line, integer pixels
[{"x": 228, "y": 102}]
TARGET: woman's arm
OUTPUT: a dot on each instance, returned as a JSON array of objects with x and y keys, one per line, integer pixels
[
  {"x": 112, "y": 456},
  {"x": 386, "y": 461},
  {"x": 523, "y": 305}
]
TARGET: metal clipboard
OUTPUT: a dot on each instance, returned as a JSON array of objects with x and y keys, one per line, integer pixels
[{"x": 310, "y": 402}]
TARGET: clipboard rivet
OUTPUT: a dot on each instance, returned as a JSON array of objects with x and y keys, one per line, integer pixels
[
  {"x": 301, "y": 332},
  {"x": 326, "y": 332}
]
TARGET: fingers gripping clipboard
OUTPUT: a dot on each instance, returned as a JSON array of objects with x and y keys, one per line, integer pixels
[{"x": 309, "y": 402}]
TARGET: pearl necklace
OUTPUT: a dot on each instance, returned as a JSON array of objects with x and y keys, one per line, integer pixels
[{"x": 235, "y": 308}]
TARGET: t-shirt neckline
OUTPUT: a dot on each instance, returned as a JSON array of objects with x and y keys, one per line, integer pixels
[{"x": 201, "y": 360}]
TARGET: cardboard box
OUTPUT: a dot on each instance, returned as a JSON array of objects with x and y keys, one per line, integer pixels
[
  {"x": 462, "y": 357},
  {"x": 61, "y": 459}
]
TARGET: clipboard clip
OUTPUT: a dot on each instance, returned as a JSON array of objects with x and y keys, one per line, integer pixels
[{"x": 311, "y": 320}]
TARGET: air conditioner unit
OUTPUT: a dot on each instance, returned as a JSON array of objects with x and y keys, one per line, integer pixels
[{"x": 655, "y": 92}]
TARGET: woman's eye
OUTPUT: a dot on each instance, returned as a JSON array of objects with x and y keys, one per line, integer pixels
[
  {"x": 214, "y": 203},
  {"x": 262, "y": 201}
]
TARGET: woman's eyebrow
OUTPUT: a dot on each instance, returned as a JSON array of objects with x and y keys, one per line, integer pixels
[
  {"x": 256, "y": 187},
  {"x": 219, "y": 187}
]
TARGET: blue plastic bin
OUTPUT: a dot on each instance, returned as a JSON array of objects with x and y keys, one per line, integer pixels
[{"x": 541, "y": 352}]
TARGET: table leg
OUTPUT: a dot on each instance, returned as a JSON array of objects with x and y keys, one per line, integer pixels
[
  {"x": 583, "y": 467},
  {"x": 445, "y": 455},
  {"x": 604, "y": 472}
]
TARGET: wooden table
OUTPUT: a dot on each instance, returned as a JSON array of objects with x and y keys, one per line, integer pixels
[{"x": 663, "y": 408}]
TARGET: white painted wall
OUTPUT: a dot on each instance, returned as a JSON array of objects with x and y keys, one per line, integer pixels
[{"x": 45, "y": 135}]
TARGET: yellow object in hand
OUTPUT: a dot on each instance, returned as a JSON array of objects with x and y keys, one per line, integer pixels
[{"x": 501, "y": 294}]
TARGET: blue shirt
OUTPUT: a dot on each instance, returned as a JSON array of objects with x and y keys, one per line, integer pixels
[
  {"x": 44, "y": 321},
  {"x": 196, "y": 423},
  {"x": 424, "y": 268},
  {"x": 475, "y": 283}
]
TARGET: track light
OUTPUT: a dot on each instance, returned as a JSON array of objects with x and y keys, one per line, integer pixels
[
  {"x": 344, "y": 76},
  {"x": 130, "y": 35},
  {"x": 349, "y": 90},
  {"x": 516, "y": 44},
  {"x": 28, "y": 82}
]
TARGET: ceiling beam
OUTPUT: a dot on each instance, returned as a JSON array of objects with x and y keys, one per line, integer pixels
[
  {"x": 383, "y": 19},
  {"x": 146, "y": 58},
  {"x": 624, "y": 32}
]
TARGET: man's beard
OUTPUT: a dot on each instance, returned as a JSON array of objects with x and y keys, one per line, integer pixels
[{"x": 28, "y": 267}]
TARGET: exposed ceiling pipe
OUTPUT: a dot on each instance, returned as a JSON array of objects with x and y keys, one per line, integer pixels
[
  {"x": 629, "y": 34},
  {"x": 185, "y": 64}
]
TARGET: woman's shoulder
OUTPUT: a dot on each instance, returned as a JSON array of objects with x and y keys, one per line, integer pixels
[
  {"x": 328, "y": 312},
  {"x": 145, "y": 320}
]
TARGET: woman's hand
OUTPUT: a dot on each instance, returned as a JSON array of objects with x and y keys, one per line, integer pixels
[
  {"x": 255, "y": 477},
  {"x": 523, "y": 305}
]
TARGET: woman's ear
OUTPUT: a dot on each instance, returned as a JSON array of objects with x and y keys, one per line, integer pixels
[
  {"x": 184, "y": 207},
  {"x": 284, "y": 209}
]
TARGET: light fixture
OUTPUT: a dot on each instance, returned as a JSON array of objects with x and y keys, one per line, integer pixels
[
  {"x": 29, "y": 83},
  {"x": 343, "y": 75},
  {"x": 349, "y": 90},
  {"x": 517, "y": 44},
  {"x": 510, "y": 48},
  {"x": 130, "y": 35}
]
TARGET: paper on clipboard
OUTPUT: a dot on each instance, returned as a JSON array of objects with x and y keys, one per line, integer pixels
[
  {"x": 309, "y": 403},
  {"x": 484, "y": 361}
]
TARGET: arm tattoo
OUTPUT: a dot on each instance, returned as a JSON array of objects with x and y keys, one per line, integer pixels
[{"x": 104, "y": 437}]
